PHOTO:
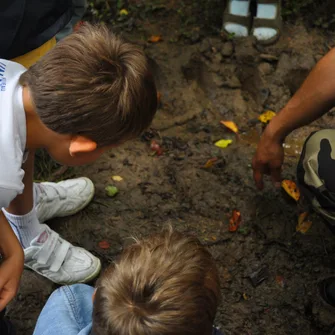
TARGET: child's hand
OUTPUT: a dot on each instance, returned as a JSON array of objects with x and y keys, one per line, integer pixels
[{"x": 12, "y": 265}]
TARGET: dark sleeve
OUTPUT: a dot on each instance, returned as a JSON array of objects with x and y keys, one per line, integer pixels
[{"x": 27, "y": 24}]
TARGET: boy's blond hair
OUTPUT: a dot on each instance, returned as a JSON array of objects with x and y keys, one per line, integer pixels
[
  {"x": 94, "y": 84},
  {"x": 166, "y": 284}
]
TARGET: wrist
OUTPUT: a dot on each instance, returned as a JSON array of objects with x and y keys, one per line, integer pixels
[{"x": 275, "y": 131}]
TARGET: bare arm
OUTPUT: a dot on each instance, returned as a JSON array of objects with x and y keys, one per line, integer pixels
[{"x": 314, "y": 98}]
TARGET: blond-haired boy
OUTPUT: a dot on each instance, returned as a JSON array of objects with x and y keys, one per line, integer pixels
[{"x": 165, "y": 284}]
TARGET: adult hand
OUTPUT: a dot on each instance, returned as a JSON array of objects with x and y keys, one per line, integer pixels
[{"x": 268, "y": 160}]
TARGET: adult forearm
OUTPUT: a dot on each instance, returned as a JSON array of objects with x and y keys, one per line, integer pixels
[{"x": 314, "y": 98}]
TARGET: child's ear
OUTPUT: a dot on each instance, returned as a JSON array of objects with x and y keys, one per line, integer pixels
[{"x": 81, "y": 144}]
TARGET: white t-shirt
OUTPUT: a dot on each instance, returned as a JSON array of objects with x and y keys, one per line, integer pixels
[{"x": 12, "y": 131}]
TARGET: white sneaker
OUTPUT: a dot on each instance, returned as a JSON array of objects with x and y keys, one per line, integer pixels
[
  {"x": 58, "y": 260},
  {"x": 62, "y": 199}
]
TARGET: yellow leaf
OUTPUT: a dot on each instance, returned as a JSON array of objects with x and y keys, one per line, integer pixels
[
  {"x": 155, "y": 38},
  {"x": 266, "y": 116},
  {"x": 210, "y": 163},
  {"x": 291, "y": 189},
  {"x": 223, "y": 143},
  {"x": 245, "y": 297},
  {"x": 230, "y": 125},
  {"x": 117, "y": 178},
  {"x": 303, "y": 226},
  {"x": 123, "y": 12}
]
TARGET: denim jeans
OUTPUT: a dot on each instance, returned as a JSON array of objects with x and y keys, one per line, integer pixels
[{"x": 68, "y": 311}]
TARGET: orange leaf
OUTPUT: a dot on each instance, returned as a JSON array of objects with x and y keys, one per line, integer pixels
[
  {"x": 235, "y": 220},
  {"x": 303, "y": 225},
  {"x": 291, "y": 189},
  {"x": 210, "y": 163},
  {"x": 104, "y": 244},
  {"x": 230, "y": 125},
  {"x": 302, "y": 217},
  {"x": 280, "y": 281},
  {"x": 155, "y": 38}
]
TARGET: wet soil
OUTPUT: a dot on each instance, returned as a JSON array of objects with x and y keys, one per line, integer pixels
[{"x": 204, "y": 79}]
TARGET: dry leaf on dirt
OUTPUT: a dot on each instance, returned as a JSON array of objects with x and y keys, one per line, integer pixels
[
  {"x": 154, "y": 146},
  {"x": 123, "y": 12},
  {"x": 303, "y": 224},
  {"x": 155, "y": 38},
  {"x": 78, "y": 25},
  {"x": 235, "y": 220},
  {"x": 230, "y": 125},
  {"x": 210, "y": 163},
  {"x": 223, "y": 143},
  {"x": 245, "y": 297},
  {"x": 291, "y": 189},
  {"x": 117, "y": 178},
  {"x": 280, "y": 281},
  {"x": 104, "y": 245},
  {"x": 266, "y": 116}
]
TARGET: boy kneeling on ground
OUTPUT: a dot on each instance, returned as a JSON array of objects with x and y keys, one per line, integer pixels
[
  {"x": 166, "y": 284},
  {"x": 90, "y": 93}
]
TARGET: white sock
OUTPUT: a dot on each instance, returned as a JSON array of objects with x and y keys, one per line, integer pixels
[
  {"x": 241, "y": 8},
  {"x": 26, "y": 227},
  {"x": 267, "y": 11}
]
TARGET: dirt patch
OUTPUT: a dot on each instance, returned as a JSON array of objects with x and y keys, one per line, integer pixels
[{"x": 203, "y": 81}]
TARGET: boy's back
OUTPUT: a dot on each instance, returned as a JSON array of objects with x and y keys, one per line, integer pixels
[{"x": 12, "y": 131}]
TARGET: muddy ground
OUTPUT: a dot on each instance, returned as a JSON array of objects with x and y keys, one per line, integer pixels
[{"x": 204, "y": 79}]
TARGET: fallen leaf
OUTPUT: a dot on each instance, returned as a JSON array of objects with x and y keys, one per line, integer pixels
[
  {"x": 280, "y": 281},
  {"x": 117, "y": 178},
  {"x": 291, "y": 189},
  {"x": 111, "y": 191},
  {"x": 154, "y": 146},
  {"x": 78, "y": 25},
  {"x": 266, "y": 116},
  {"x": 223, "y": 143},
  {"x": 245, "y": 297},
  {"x": 155, "y": 38},
  {"x": 123, "y": 12},
  {"x": 235, "y": 220},
  {"x": 104, "y": 245},
  {"x": 303, "y": 224},
  {"x": 302, "y": 217},
  {"x": 210, "y": 163},
  {"x": 230, "y": 125}
]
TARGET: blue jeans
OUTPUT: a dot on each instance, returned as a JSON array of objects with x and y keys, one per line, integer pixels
[{"x": 68, "y": 311}]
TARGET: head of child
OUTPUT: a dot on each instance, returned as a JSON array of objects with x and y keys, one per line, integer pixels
[
  {"x": 166, "y": 284},
  {"x": 91, "y": 92}
]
